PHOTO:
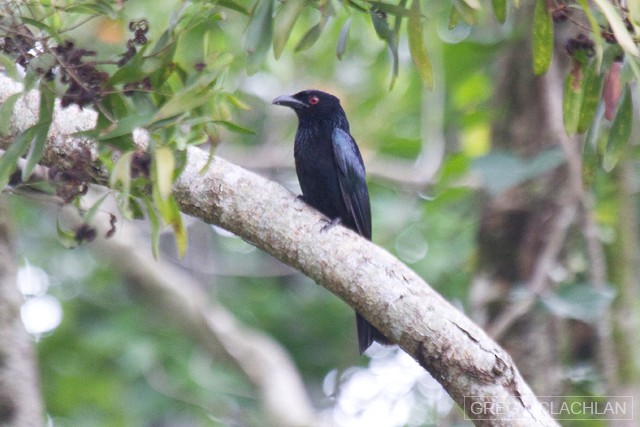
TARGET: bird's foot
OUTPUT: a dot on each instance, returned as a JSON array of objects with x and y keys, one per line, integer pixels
[{"x": 331, "y": 223}]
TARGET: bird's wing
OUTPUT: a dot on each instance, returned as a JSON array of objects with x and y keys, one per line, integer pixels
[{"x": 351, "y": 176}]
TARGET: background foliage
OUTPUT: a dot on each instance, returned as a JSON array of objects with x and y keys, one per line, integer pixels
[{"x": 203, "y": 73}]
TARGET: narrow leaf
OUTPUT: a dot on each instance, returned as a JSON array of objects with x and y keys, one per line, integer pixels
[
  {"x": 121, "y": 173},
  {"x": 164, "y": 167},
  {"x": 235, "y": 127},
  {"x": 500, "y": 10},
  {"x": 9, "y": 160},
  {"x": 380, "y": 23},
  {"x": 542, "y": 41},
  {"x": 590, "y": 99},
  {"x": 572, "y": 99},
  {"x": 416, "y": 45},
  {"x": 154, "y": 223},
  {"x": 284, "y": 21},
  {"x": 620, "y": 132},
  {"x": 310, "y": 37},
  {"x": 188, "y": 98},
  {"x": 6, "y": 111},
  {"x": 341, "y": 47},
  {"x": 259, "y": 34},
  {"x": 625, "y": 40},
  {"x": 45, "y": 117}
]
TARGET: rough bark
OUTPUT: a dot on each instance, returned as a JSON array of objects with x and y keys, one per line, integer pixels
[{"x": 474, "y": 370}]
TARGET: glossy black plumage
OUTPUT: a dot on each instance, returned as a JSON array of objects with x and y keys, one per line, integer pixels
[{"x": 331, "y": 172}]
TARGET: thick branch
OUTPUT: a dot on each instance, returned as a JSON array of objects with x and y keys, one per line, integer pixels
[{"x": 472, "y": 368}]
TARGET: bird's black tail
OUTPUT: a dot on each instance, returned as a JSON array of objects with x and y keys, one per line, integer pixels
[{"x": 367, "y": 334}]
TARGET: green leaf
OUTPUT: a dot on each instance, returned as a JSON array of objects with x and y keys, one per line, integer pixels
[
  {"x": 500, "y": 10},
  {"x": 233, "y": 6},
  {"x": 285, "y": 19},
  {"x": 391, "y": 9},
  {"x": 164, "y": 164},
  {"x": 341, "y": 47},
  {"x": 154, "y": 223},
  {"x": 542, "y": 41},
  {"x": 6, "y": 111},
  {"x": 45, "y": 118},
  {"x": 9, "y": 160},
  {"x": 502, "y": 170},
  {"x": 620, "y": 132},
  {"x": 582, "y": 302},
  {"x": 595, "y": 33},
  {"x": 125, "y": 126},
  {"x": 380, "y": 23},
  {"x": 121, "y": 173},
  {"x": 67, "y": 237},
  {"x": 590, "y": 98},
  {"x": 624, "y": 39},
  {"x": 259, "y": 34},
  {"x": 310, "y": 37},
  {"x": 572, "y": 100},
  {"x": 44, "y": 27},
  {"x": 187, "y": 98},
  {"x": 416, "y": 45},
  {"x": 91, "y": 212},
  {"x": 234, "y": 127}
]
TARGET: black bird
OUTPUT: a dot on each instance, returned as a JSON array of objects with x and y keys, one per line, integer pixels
[{"x": 331, "y": 172}]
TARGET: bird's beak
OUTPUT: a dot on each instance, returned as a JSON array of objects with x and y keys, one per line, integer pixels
[{"x": 289, "y": 101}]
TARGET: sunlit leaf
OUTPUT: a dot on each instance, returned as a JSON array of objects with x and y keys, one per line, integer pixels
[
  {"x": 285, "y": 19},
  {"x": 620, "y": 132},
  {"x": 416, "y": 45},
  {"x": 164, "y": 164},
  {"x": 121, "y": 174},
  {"x": 500, "y": 10},
  {"x": 542, "y": 41}
]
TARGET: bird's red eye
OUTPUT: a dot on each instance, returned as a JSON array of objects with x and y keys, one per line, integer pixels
[{"x": 313, "y": 100}]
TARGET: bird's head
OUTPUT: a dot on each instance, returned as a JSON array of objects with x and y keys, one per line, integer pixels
[{"x": 312, "y": 104}]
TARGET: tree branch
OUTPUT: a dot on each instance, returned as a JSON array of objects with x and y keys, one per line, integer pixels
[
  {"x": 474, "y": 370},
  {"x": 175, "y": 294},
  {"x": 20, "y": 400}
]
